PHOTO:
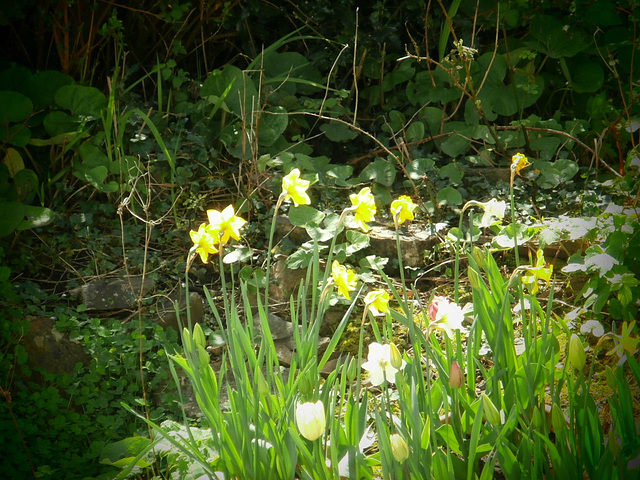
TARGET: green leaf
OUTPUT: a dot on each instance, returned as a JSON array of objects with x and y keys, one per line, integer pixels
[
  {"x": 551, "y": 38},
  {"x": 11, "y": 215},
  {"x": 272, "y": 126},
  {"x": 586, "y": 76},
  {"x": 453, "y": 172},
  {"x": 449, "y": 195},
  {"x": 449, "y": 437},
  {"x": 27, "y": 183},
  {"x": 357, "y": 240},
  {"x": 14, "y": 107},
  {"x": 57, "y": 123},
  {"x": 338, "y": 132},
  {"x": 304, "y": 215},
  {"x": 234, "y": 87},
  {"x": 36, "y": 217},
  {"x": 380, "y": 171},
  {"x": 42, "y": 86},
  {"x": 126, "y": 449},
  {"x": 81, "y": 100},
  {"x": 415, "y": 131}
]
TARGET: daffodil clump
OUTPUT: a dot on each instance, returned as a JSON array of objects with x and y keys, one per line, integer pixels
[{"x": 211, "y": 237}]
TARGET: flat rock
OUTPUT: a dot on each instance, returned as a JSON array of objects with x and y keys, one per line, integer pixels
[
  {"x": 116, "y": 293},
  {"x": 167, "y": 316},
  {"x": 50, "y": 349},
  {"x": 414, "y": 241}
]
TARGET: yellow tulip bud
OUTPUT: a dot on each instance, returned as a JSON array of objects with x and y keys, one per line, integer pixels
[{"x": 399, "y": 447}]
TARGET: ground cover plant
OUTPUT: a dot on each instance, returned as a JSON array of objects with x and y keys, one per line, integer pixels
[{"x": 507, "y": 348}]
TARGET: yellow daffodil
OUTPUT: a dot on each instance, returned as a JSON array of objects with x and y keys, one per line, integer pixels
[
  {"x": 225, "y": 223},
  {"x": 377, "y": 301},
  {"x": 626, "y": 344},
  {"x": 399, "y": 447},
  {"x": 364, "y": 206},
  {"x": 344, "y": 278},
  {"x": 379, "y": 364},
  {"x": 294, "y": 188},
  {"x": 518, "y": 162},
  {"x": 539, "y": 272},
  {"x": 402, "y": 209},
  {"x": 311, "y": 420},
  {"x": 204, "y": 241}
]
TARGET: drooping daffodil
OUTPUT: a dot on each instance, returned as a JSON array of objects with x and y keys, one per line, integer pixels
[
  {"x": 226, "y": 223},
  {"x": 379, "y": 365},
  {"x": 518, "y": 162},
  {"x": 446, "y": 316},
  {"x": 378, "y": 302},
  {"x": 311, "y": 420},
  {"x": 204, "y": 242},
  {"x": 364, "y": 206},
  {"x": 539, "y": 272},
  {"x": 344, "y": 278},
  {"x": 295, "y": 188},
  {"x": 402, "y": 209},
  {"x": 493, "y": 212}
]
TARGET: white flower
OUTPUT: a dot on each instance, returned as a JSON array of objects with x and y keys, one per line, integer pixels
[
  {"x": 379, "y": 366},
  {"x": 311, "y": 420},
  {"x": 446, "y": 316},
  {"x": 493, "y": 212},
  {"x": 592, "y": 326}
]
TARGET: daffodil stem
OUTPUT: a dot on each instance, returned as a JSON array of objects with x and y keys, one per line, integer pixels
[
  {"x": 267, "y": 273},
  {"x": 514, "y": 222}
]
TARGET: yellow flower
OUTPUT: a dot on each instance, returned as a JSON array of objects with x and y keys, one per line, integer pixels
[
  {"x": 225, "y": 223},
  {"x": 344, "y": 278},
  {"x": 364, "y": 206},
  {"x": 294, "y": 188},
  {"x": 539, "y": 272},
  {"x": 204, "y": 241},
  {"x": 402, "y": 209},
  {"x": 377, "y": 301},
  {"x": 399, "y": 447},
  {"x": 518, "y": 162},
  {"x": 311, "y": 420}
]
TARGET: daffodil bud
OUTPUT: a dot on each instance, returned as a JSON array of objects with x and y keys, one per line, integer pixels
[
  {"x": 491, "y": 413},
  {"x": 306, "y": 384},
  {"x": 456, "y": 377},
  {"x": 395, "y": 357},
  {"x": 310, "y": 419},
  {"x": 352, "y": 369},
  {"x": 198, "y": 336},
  {"x": 261, "y": 383},
  {"x": 577, "y": 357},
  {"x": 399, "y": 447}
]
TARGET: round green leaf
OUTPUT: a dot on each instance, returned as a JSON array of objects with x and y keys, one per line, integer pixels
[
  {"x": 81, "y": 100},
  {"x": 305, "y": 215},
  {"x": 450, "y": 196},
  {"x": 14, "y": 107},
  {"x": 11, "y": 215}
]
